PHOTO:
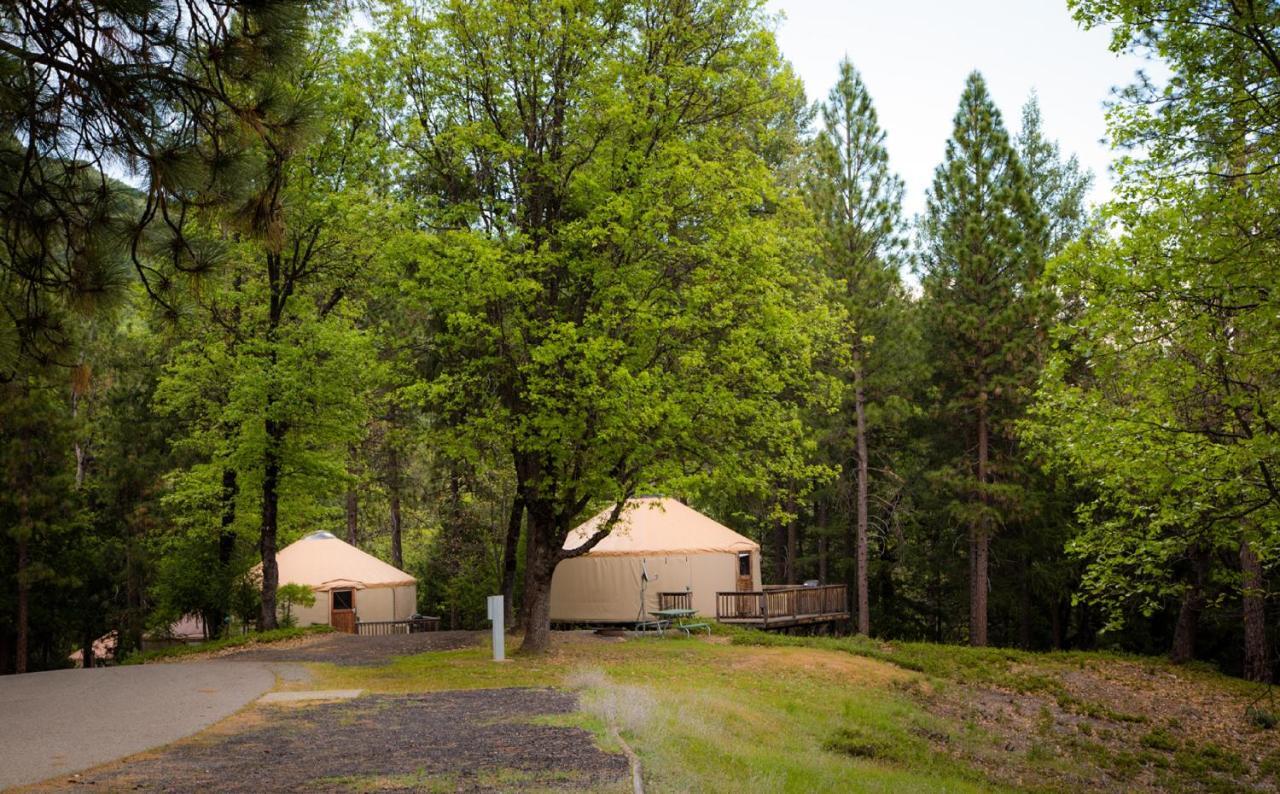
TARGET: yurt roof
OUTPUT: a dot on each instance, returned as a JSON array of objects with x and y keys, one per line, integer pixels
[
  {"x": 324, "y": 562},
  {"x": 656, "y": 526}
]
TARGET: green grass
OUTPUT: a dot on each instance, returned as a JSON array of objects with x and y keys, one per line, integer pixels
[
  {"x": 716, "y": 717},
  {"x": 252, "y": 638},
  {"x": 748, "y": 711}
]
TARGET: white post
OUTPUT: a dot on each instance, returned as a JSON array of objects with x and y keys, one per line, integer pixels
[{"x": 496, "y": 613}]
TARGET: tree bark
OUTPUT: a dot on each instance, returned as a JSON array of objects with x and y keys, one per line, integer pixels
[
  {"x": 979, "y": 546},
  {"x": 353, "y": 516},
  {"x": 397, "y": 545},
  {"x": 275, "y": 429},
  {"x": 1256, "y": 667},
  {"x": 129, "y": 637},
  {"x": 23, "y": 615},
  {"x": 860, "y": 424},
  {"x": 793, "y": 536},
  {"x": 821, "y": 517},
  {"x": 541, "y": 565},
  {"x": 1024, "y": 603},
  {"x": 215, "y": 622},
  {"x": 270, "y": 525},
  {"x": 510, "y": 550},
  {"x": 86, "y": 651},
  {"x": 1193, "y": 600},
  {"x": 397, "y": 548},
  {"x": 1060, "y": 607}
]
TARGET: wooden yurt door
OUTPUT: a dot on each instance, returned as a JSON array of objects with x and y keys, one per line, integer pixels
[
  {"x": 744, "y": 572},
  {"x": 342, "y": 610}
]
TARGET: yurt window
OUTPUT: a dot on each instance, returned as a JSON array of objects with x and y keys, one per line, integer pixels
[
  {"x": 744, "y": 563},
  {"x": 342, "y": 599}
]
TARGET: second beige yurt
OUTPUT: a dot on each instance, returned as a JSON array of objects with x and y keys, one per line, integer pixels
[
  {"x": 348, "y": 583},
  {"x": 658, "y": 546}
]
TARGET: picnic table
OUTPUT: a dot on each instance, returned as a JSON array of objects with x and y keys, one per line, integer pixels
[{"x": 678, "y": 619}]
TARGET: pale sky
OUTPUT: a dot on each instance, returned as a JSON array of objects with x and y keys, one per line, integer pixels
[{"x": 914, "y": 57}]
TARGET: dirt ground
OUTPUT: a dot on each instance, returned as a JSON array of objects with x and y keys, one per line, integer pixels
[
  {"x": 1118, "y": 726},
  {"x": 348, "y": 649},
  {"x": 472, "y": 740}
]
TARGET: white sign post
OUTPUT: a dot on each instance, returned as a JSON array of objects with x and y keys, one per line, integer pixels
[{"x": 496, "y": 613}]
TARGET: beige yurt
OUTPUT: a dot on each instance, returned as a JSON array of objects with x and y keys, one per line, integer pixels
[
  {"x": 658, "y": 546},
  {"x": 349, "y": 584}
]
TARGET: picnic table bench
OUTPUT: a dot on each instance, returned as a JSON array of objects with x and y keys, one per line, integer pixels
[{"x": 677, "y": 619}]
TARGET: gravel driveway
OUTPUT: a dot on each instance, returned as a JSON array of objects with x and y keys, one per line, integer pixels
[{"x": 458, "y": 741}]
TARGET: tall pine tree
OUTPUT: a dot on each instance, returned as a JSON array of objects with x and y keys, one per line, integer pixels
[
  {"x": 982, "y": 255},
  {"x": 857, "y": 202}
]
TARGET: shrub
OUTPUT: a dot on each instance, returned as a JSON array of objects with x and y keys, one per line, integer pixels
[
  {"x": 859, "y": 743},
  {"x": 1160, "y": 739},
  {"x": 290, "y": 595}
]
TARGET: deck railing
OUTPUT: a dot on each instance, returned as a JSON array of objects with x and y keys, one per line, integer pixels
[
  {"x": 678, "y": 600},
  {"x": 380, "y": 628},
  {"x": 783, "y": 605}
]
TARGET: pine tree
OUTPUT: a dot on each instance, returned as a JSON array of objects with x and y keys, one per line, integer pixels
[
  {"x": 857, "y": 202},
  {"x": 1058, "y": 186},
  {"x": 983, "y": 252},
  {"x": 93, "y": 88}
]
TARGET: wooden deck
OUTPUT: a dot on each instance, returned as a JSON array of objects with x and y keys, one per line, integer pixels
[
  {"x": 781, "y": 606},
  {"x": 680, "y": 600},
  {"x": 378, "y": 628}
]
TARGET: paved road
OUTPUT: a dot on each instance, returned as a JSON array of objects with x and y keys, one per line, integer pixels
[{"x": 63, "y": 721}]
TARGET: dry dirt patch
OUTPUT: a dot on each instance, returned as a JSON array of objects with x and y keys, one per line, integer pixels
[
  {"x": 1114, "y": 725},
  {"x": 848, "y": 669}
]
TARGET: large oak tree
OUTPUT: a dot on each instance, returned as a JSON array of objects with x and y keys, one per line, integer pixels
[{"x": 611, "y": 264}]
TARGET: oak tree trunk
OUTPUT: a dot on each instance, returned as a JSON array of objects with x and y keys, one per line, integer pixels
[
  {"x": 1193, "y": 601},
  {"x": 510, "y": 550},
  {"x": 542, "y": 561},
  {"x": 1256, "y": 667}
]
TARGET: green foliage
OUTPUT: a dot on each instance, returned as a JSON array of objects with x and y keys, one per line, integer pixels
[
  {"x": 614, "y": 297},
  {"x": 983, "y": 253},
  {"x": 273, "y": 378},
  {"x": 290, "y": 595},
  {"x": 1159, "y": 393},
  {"x": 82, "y": 86}
]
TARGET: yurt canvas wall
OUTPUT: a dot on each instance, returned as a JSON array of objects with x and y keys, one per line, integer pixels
[{"x": 681, "y": 549}]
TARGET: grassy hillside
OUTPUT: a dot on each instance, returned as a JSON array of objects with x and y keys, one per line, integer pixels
[{"x": 754, "y": 712}]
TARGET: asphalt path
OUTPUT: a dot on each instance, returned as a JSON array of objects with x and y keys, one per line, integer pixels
[{"x": 60, "y": 722}]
